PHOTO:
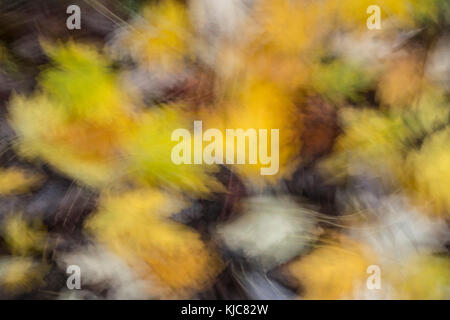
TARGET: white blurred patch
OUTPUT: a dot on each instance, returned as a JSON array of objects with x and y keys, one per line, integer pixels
[
  {"x": 259, "y": 286},
  {"x": 219, "y": 18},
  {"x": 270, "y": 230},
  {"x": 101, "y": 267},
  {"x": 438, "y": 63},
  {"x": 151, "y": 84},
  {"x": 401, "y": 231},
  {"x": 216, "y": 22},
  {"x": 370, "y": 47}
]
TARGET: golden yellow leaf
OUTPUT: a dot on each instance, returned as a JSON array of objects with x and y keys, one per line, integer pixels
[
  {"x": 430, "y": 167},
  {"x": 17, "y": 181},
  {"x": 23, "y": 236},
  {"x": 161, "y": 37},
  {"x": 135, "y": 226},
  {"x": 333, "y": 271},
  {"x": 20, "y": 275}
]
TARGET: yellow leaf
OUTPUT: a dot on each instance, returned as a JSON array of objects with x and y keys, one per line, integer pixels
[
  {"x": 20, "y": 275},
  {"x": 22, "y": 236},
  {"x": 161, "y": 37},
  {"x": 16, "y": 181},
  {"x": 431, "y": 172},
  {"x": 134, "y": 225},
  {"x": 332, "y": 272}
]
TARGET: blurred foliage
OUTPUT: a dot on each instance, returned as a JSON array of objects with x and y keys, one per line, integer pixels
[
  {"x": 16, "y": 181},
  {"x": 135, "y": 225},
  {"x": 332, "y": 271},
  {"x": 86, "y": 119},
  {"x": 22, "y": 237}
]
